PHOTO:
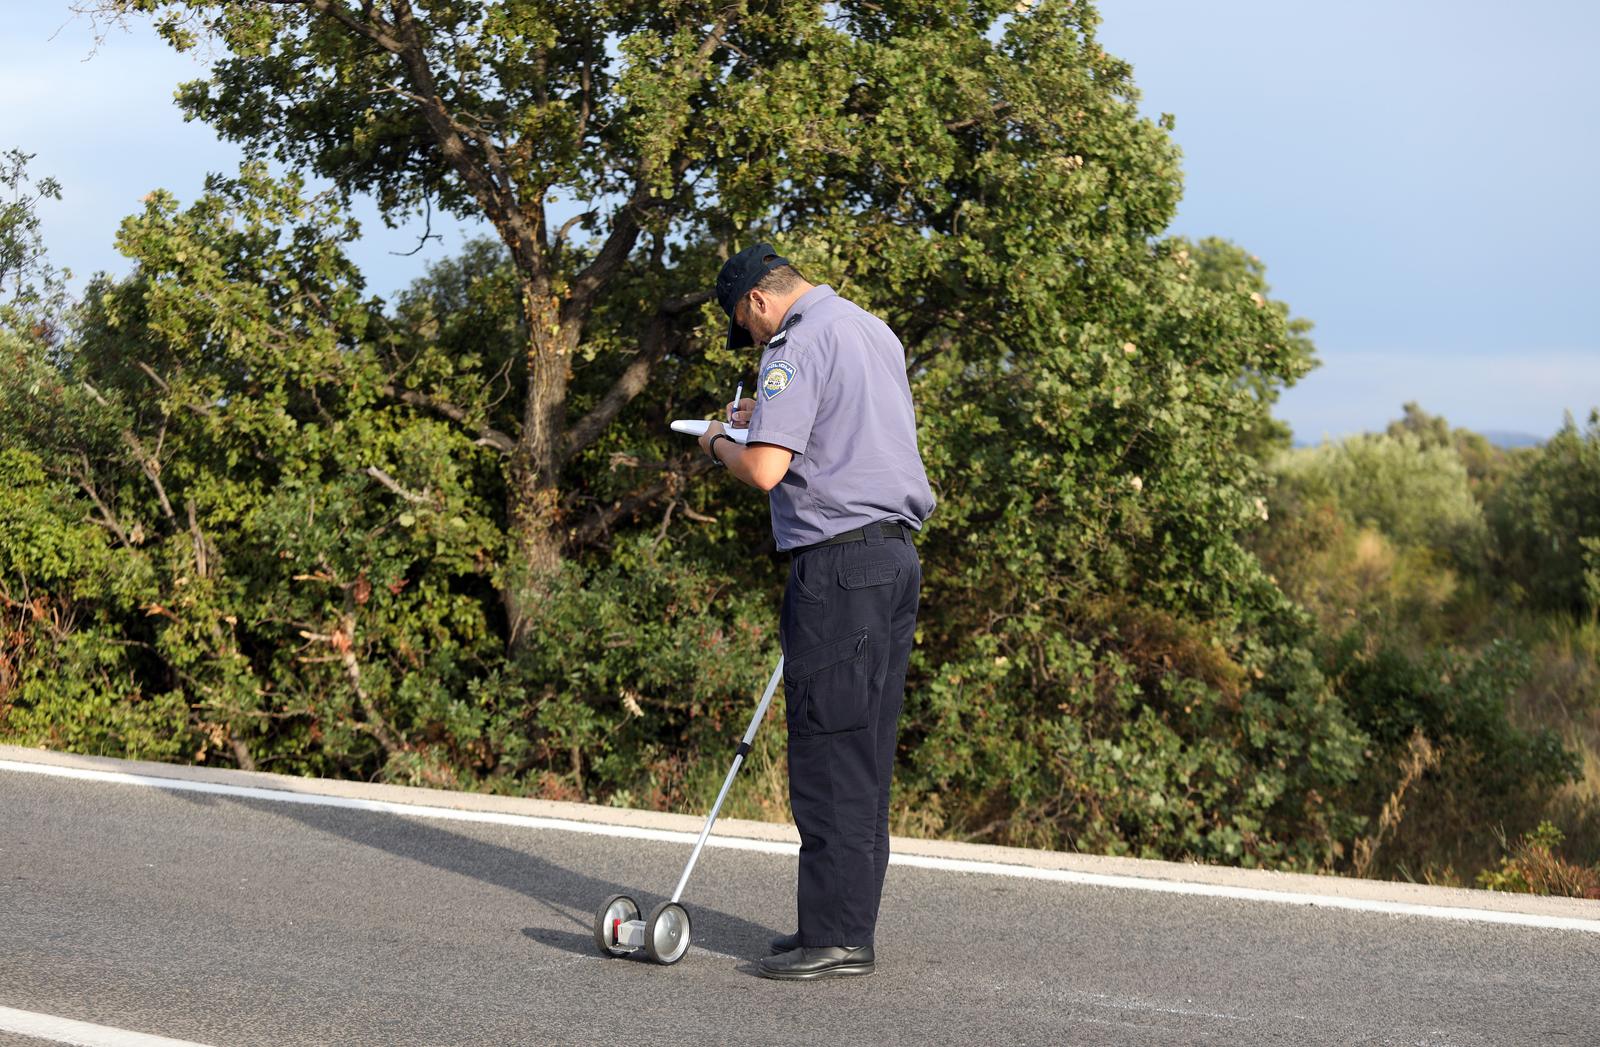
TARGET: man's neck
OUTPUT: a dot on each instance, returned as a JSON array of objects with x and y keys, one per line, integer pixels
[{"x": 787, "y": 302}]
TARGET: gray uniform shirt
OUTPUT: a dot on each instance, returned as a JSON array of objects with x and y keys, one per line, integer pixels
[{"x": 833, "y": 390}]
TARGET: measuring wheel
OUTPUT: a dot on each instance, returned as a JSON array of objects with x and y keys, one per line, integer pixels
[
  {"x": 664, "y": 937},
  {"x": 613, "y": 923},
  {"x": 666, "y": 933}
]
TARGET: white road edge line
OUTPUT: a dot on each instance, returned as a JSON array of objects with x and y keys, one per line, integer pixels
[
  {"x": 917, "y": 861},
  {"x": 82, "y": 1034}
]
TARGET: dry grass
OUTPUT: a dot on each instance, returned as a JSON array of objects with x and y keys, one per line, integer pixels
[
  {"x": 1421, "y": 757},
  {"x": 761, "y": 790},
  {"x": 1532, "y": 866}
]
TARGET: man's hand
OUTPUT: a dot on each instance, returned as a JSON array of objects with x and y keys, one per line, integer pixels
[
  {"x": 739, "y": 413},
  {"x": 705, "y": 438}
]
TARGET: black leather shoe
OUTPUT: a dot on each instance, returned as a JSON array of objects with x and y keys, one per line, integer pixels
[
  {"x": 806, "y": 963},
  {"x": 785, "y": 943}
]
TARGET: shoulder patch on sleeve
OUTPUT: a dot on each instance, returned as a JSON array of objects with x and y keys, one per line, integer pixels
[{"x": 776, "y": 378}]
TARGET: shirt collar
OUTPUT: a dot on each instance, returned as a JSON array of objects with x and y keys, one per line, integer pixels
[{"x": 806, "y": 301}]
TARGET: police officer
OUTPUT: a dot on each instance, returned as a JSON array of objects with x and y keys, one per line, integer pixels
[{"x": 833, "y": 440}]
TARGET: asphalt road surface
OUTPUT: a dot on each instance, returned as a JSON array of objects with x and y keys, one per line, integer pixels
[{"x": 231, "y": 921}]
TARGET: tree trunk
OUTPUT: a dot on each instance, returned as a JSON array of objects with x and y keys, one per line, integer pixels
[{"x": 534, "y": 472}]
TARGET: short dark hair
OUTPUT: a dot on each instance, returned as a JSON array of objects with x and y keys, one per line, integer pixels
[{"x": 780, "y": 279}]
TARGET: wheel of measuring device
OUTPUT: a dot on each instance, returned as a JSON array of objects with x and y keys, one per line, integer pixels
[
  {"x": 666, "y": 933},
  {"x": 610, "y": 925}
]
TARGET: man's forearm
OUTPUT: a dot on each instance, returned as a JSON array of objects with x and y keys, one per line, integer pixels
[
  {"x": 762, "y": 466},
  {"x": 736, "y": 457}
]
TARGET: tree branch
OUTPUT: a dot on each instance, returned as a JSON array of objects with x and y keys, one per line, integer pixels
[
  {"x": 152, "y": 472},
  {"x": 634, "y": 378},
  {"x": 999, "y": 109},
  {"x": 369, "y": 25},
  {"x": 618, "y": 245},
  {"x": 389, "y": 482},
  {"x": 485, "y": 175},
  {"x": 629, "y": 384},
  {"x": 566, "y": 227},
  {"x": 487, "y": 435},
  {"x": 599, "y": 523},
  {"x": 202, "y": 561},
  {"x": 683, "y": 303},
  {"x": 153, "y": 376},
  {"x": 343, "y": 642},
  {"x": 106, "y": 516}
]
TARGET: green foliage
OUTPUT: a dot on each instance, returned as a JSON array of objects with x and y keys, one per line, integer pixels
[
  {"x": 1417, "y": 494},
  {"x": 63, "y": 685},
  {"x": 331, "y": 498},
  {"x": 1591, "y": 573},
  {"x": 1541, "y": 517},
  {"x": 1458, "y": 701},
  {"x": 304, "y": 608},
  {"x": 1148, "y": 741},
  {"x": 1486, "y": 465},
  {"x": 33, "y": 293},
  {"x": 1414, "y": 638},
  {"x": 316, "y": 562},
  {"x": 645, "y": 657}
]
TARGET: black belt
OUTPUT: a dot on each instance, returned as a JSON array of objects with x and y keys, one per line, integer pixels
[{"x": 887, "y": 529}]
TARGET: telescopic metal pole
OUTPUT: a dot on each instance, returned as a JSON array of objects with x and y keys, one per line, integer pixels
[{"x": 738, "y": 759}]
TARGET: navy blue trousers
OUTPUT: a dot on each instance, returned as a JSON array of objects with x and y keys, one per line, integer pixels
[{"x": 849, "y": 615}]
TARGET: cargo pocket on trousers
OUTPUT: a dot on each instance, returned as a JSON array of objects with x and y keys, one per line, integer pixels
[
  {"x": 865, "y": 576},
  {"x": 825, "y": 688}
]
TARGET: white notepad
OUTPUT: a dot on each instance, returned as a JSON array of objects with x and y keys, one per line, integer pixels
[{"x": 698, "y": 427}]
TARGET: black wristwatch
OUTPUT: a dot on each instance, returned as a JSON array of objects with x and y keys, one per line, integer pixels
[{"x": 711, "y": 448}]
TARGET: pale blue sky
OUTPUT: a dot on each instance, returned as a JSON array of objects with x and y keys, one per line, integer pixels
[{"x": 1418, "y": 177}]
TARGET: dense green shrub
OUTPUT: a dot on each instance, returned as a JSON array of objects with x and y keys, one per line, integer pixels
[
  {"x": 1457, "y": 700},
  {"x": 1126, "y": 730},
  {"x": 65, "y": 681}
]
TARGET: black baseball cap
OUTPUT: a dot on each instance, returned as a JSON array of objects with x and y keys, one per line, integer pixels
[{"x": 739, "y": 274}]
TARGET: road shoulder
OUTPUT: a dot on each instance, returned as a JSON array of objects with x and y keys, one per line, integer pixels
[{"x": 946, "y": 854}]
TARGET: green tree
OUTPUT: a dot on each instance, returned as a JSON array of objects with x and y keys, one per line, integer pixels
[
  {"x": 503, "y": 110},
  {"x": 1486, "y": 465},
  {"x": 907, "y": 150},
  {"x": 1543, "y": 514},
  {"x": 1431, "y": 430},
  {"x": 1412, "y": 489}
]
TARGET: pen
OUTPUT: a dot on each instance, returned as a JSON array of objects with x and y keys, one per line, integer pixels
[{"x": 737, "y": 395}]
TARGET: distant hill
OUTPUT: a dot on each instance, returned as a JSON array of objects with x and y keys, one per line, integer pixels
[
  {"x": 1501, "y": 438},
  {"x": 1498, "y": 437}
]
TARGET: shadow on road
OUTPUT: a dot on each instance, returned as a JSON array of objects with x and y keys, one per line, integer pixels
[{"x": 572, "y": 896}]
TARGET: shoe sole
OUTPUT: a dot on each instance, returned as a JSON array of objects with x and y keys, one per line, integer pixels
[{"x": 843, "y": 970}]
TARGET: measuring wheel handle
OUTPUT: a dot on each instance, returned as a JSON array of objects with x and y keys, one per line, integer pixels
[
  {"x": 666, "y": 933},
  {"x": 611, "y": 925}
]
